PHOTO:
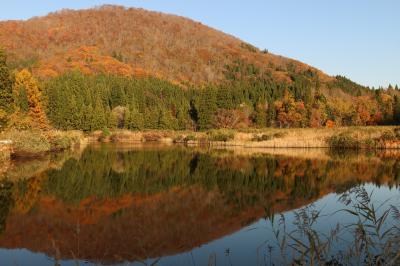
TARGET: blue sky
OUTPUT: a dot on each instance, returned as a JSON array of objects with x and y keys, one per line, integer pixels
[{"x": 356, "y": 38}]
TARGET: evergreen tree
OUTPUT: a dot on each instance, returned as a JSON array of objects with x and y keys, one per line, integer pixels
[
  {"x": 271, "y": 114},
  {"x": 113, "y": 120},
  {"x": 181, "y": 116},
  {"x": 396, "y": 110},
  {"x": 224, "y": 98},
  {"x": 118, "y": 97},
  {"x": 87, "y": 118},
  {"x": 164, "y": 120},
  {"x": 6, "y": 98},
  {"x": 99, "y": 116},
  {"x": 207, "y": 106},
  {"x": 260, "y": 115},
  {"x": 133, "y": 119}
]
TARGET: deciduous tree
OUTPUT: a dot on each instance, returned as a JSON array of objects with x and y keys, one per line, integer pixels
[{"x": 26, "y": 84}]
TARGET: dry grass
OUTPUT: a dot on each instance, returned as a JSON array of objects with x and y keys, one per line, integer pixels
[
  {"x": 5, "y": 152},
  {"x": 264, "y": 138},
  {"x": 35, "y": 142},
  {"x": 310, "y": 137}
]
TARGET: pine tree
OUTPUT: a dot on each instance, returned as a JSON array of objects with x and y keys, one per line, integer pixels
[
  {"x": 164, "y": 120},
  {"x": 6, "y": 99},
  {"x": 133, "y": 119},
  {"x": 396, "y": 110},
  {"x": 113, "y": 120},
  {"x": 207, "y": 106},
  {"x": 224, "y": 98},
  {"x": 260, "y": 115},
  {"x": 99, "y": 117},
  {"x": 271, "y": 113},
  {"x": 181, "y": 117},
  {"x": 87, "y": 118}
]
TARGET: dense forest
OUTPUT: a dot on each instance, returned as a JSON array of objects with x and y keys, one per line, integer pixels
[{"x": 248, "y": 98}]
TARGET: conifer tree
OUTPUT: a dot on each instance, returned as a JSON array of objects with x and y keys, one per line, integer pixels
[
  {"x": 99, "y": 116},
  {"x": 181, "y": 117},
  {"x": 165, "y": 120},
  {"x": 207, "y": 106},
  {"x": 224, "y": 98},
  {"x": 260, "y": 115},
  {"x": 87, "y": 118},
  {"x": 271, "y": 113},
  {"x": 133, "y": 119},
  {"x": 113, "y": 120},
  {"x": 396, "y": 110},
  {"x": 5, "y": 85}
]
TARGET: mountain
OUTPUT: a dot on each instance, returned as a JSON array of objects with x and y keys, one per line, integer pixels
[
  {"x": 159, "y": 64},
  {"x": 134, "y": 41}
]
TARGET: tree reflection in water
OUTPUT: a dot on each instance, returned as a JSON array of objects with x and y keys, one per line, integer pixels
[{"x": 114, "y": 204}]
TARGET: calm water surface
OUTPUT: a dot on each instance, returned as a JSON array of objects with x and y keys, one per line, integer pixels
[{"x": 157, "y": 205}]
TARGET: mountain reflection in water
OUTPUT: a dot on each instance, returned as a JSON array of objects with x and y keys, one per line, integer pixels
[{"x": 115, "y": 204}]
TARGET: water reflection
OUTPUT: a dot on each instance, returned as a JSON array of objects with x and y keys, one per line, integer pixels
[{"x": 113, "y": 204}]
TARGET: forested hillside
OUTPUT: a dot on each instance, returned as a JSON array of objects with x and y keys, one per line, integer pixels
[
  {"x": 112, "y": 67},
  {"x": 168, "y": 46}
]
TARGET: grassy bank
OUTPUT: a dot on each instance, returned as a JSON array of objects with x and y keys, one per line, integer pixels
[
  {"x": 31, "y": 143},
  {"x": 34, "y": 143},
  {"x": 382, "y": 137}
]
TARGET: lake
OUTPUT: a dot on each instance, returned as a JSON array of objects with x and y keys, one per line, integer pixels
[{"x": 175, "y": 205}]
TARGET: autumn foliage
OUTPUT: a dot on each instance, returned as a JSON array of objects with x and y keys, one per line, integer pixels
[
  {"x": 116, "y": 67},
  {"x": 124, "y": 40},
  {"x": 28, "y": 98}
]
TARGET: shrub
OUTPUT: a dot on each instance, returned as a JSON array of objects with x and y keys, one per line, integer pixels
[
  {"x": 75, "y": 137},
  {"x": 343, "y": 141},
  {"x": 60, "y": 142},
  {"x": 369, "y": 143},
  {"x": 221, "y": 135},
  {"x": 190, "y": 138},
  {"x": 279, "y": 135},
  {"x": 106, "y": 132},
  {"x": 388, "y": 136},
  {"x": 179, "y": 139},
  {"x": 152, "y": 136},
  {"x": 28, "y": 142},
  {"x": 4, "y": 153},
  {"x": 397, "y": 132},
  {"x": 263, "y": 137}
]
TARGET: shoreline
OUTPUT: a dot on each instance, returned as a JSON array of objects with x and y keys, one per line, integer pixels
[{"x": 347, "y": 138}]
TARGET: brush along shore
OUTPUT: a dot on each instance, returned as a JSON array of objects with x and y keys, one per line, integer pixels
[
  {"x": 382, "y": 137},
  {"x": 32, "y": 143},
  {"x": 35, "y": 143}
]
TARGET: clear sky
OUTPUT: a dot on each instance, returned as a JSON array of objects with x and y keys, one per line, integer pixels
[{"x": 356, "y": 38}]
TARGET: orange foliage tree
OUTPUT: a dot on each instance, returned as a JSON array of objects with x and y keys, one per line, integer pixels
[
  {"x": 28, "y": 98},
  {"x": 289, "y": 112}
]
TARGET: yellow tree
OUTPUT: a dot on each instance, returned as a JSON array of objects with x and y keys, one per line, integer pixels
[{"x": 27, "y": 93}]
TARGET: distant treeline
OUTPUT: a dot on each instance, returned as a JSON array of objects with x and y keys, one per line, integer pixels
[{"x": 249, "y": 98}]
